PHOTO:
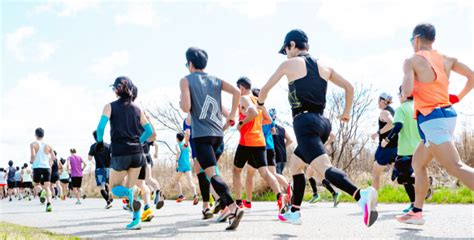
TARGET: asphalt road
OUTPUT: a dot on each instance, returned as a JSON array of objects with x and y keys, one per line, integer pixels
[{"x": 321, "y": 220}]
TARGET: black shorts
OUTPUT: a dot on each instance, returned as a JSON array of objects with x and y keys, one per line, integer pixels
[
  {"x": 41, "y": 175},
  {"x": 255, "y": 156},
  {"x": 18, "y": 184},
  {"x": 123, "y": 163},
  {"x": 65, "y": 181},
  {"x": 11, "y": 184},
  {"x": 54, "y": 177},
  {"x": 312, "y": 131},
  {"x": 271, "y": 157},
  {"x": 385, "y": 156},
  {"x": 28, "y": 185},
  {"x": 76, "y": 182},
  {"x": 142, "y": 175},
  {"x": 402, "y": 169},
  {"x": 206, "y": 150}
]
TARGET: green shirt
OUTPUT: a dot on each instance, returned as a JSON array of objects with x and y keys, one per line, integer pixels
[{"x": 409, "y": 137}]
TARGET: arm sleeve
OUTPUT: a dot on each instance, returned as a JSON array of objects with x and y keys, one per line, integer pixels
[
  {"x": 101, "y": 127},
  {"x": 147, "y": 133},
  {"x": 395, "y": 130}
]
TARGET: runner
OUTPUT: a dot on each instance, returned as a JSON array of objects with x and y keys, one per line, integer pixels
[
  {"x": 384, "y": 156},
  {"x": 307, "y": 82},
  {"x": 27, "y": 181},
  {"x": 76, "y": 165},
  {"x": 3, "y": 183},
  {"x": 201, "y": 96},
  {"x": 41, "y": 158},
  {"x": 102, "y": 169},
  {"x": 183, "y": 168},
  {"x": 426, "y": 77},
  {"x": 11, "y": 180},
  {"x": 282, "y": 141},
  {"x": 18, "y": 185},
  {"x": 64, "y": 178},
  {"x": 127, "y": 137},
  {"x": 55, "y": 188}
]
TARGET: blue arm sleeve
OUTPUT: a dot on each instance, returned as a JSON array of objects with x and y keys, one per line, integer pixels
[
  {"x": 147, "y": 133},
  {"x": 395, "y": 130},
  {"x": 101, "y": 127}
]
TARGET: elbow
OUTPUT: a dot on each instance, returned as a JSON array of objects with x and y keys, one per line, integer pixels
[{"x": 349, "y": 89}]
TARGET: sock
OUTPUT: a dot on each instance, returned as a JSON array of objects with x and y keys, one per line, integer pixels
[
  {"x": 104, "y": 194},
  {"x": 222, "y": 189},
  {"x": 328, "y": 186},
  {"x": 410, "y": 189},
  {"x": 293, "y": 209},
  {"x": 238, "y": 201},
  {"x": 48, "y": 204},
  {"x": 299, "y": 184},
  {"x": 278, "y": 196},
  {"x": 157, "y": 193},
  {"x": 204, "y": 186},
  {"x": 415, "y": 209},
  {"x": 146, "y": 207},
  {"x": 136, "y": 215},
  {"x": 339, "y": 179},
  {"x": 120, "y": 191},
  {"x": 312, "y": 183},
  {"x": 56, "y": 191}
]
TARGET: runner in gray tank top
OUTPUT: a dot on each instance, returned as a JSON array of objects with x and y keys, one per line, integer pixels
[{"x": 201, "y": 96}]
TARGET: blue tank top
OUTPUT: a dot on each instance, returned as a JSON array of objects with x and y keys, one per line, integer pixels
[
  {"x": 309, "y": 92},
  {"x": 183, "y": 161},
  {"x": 267, "y": 131},
  {"x": 125, "y": 128},
  {"x": 11, "y": 174}
]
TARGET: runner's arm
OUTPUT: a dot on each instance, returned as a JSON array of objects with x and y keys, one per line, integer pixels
[
  {"x": 341, "y": 82},
  {"x": 386, "y": 117},
  {"x": 178, "y": 152},
  {"x": 185, "y": 98},
  {"x": 235, "y": 92},
  {"x": 33, "y": 152},
  {"x": 274, "y": 79},
  {"x": 153, "y": 135},
  {"x": 103, "y": 122},
  {"x": 288, "y": 139},
  {"x": 465, "y": 71},
  {"x": 408, "y": 78},
  {"x": 266, "y": 117},
  {"x": 147, "y": 126},
  {"x": 251, "y": 110},
  {"x": 156, "y": 150}
]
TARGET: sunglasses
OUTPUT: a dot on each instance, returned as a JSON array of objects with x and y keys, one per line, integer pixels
[{"x": 187, "y": 65}]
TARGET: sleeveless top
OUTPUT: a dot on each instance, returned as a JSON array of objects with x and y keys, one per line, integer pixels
[
  {"x": 251, "y": 133},
  {"x": 41, "y": 158},
  {"x": 125, "y": 128},
  {"x": 393, "y": 143},
  {"x": 26, "y": 176}
]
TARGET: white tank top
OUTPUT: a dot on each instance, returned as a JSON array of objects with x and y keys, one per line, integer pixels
[
  {"x": 26, "y": 175},
  {"x": 2, "y": 178},
  {"x": 41, "y": 158}
]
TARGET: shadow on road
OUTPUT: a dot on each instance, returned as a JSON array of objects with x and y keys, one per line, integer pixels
[{"x": 414, "y": 233}]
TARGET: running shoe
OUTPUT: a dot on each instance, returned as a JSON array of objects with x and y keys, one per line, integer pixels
[
  {"x": 134, "y": 225},
  {"x": 78, "y": 202},
  {"x": 368, "y": 203},
  {"x": 234, "y": 219},
  {"x": 180, "y": 198},
  {"x": 109, "y": 204},
  {"x": 146, "y": 213},
  {"x": 240, "y": 205},
  {"x": 84, "y": 196},
  {"x": 336, "y": 197},
  {"x": 247, "y": 205},
  {"x": 225, "y": 213},
  {"x": 217, "y": 207},
  {"x": 159, "y": 200},
  {"x": 206, "y": 214},
  {"x": 412, "y": 218},
  {"x": 291, "y": 217},
  {"x": 195, "y": 200},
  {"x": 316, "y": 198},
  {"x": 42, "y": 196},
  {"x": 408, "y": 209},
  {"x": 49, "y": 208}
]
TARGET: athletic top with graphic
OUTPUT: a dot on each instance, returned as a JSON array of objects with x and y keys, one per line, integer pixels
[
  {"x": 279, "y": 141},
  {"x": 251, "y": 133},
  {"x": 41, "y": 158},
  {"x": 183, "y": 161},
  {"x": 206, "y": 114},
  {"x": 428, "y": 96},
  {"x": 267, "y": 131},
  {"x": 26, "y": 176},
  {"x": 125, "y": 128},
  {"x": 309, "y": 92},
  {"x": 11, "y": 174},
  {"x": 2, "y": 178},
  {"x": 17, "y": 176},
  {"x": 409, "y": 137},
  {"x": 76, "y": 166},
  {"x": 102, "y": 159},
  {"x": 394, "y": 141}
]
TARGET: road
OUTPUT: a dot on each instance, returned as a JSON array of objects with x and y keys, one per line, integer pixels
[{"x": 91, "y": 220}]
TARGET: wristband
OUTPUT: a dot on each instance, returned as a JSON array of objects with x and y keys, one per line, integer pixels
[
  {"x": 241, "y": 123},
  {"x": 260, "y": 104}
]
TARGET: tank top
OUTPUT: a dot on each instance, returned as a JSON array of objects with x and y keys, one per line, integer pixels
[
  {"x": 394, "y": 141},
  {"x": 309, "y": 92},
  {"x": 125, "y": 128},
  {"x": 11, "y": 174},
  {"x": 17, "y": 176},
  {"x": 26, "y": 175},
  {"x": 183, "y": 161},
  {"x": 2, "y": 177},
  {"x": 251, "y": 133},
  {"x": 76, "y": 166},
  {"x": 55, "y": 167},
  {"x": 64, "y": 174},
  {"x": 206, "y": 112},
  {"x": 428, "y": 96},
  {"x": 41, "y": 158}
]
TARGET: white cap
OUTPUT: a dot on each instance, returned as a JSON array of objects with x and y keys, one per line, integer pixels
[{"x": 386, "y": 96}]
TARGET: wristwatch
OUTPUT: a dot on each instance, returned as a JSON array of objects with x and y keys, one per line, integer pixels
[
  {"x": 241, "y": 123},
  {"x": 260, "y": 104}
]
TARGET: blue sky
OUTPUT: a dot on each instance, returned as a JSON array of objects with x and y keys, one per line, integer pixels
[{"x": 58, "y": 57}]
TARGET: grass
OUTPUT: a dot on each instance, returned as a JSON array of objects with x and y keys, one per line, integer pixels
[
  {"x": 13, "y": 231},
  {"x": 392, "y": 194}
]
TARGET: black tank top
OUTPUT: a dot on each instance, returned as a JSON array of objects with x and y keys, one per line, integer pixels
[
  {"x": 55, "y": 167},
  {"x": 125, "y": 128},
  {"x": 394, "y": 141},
  {"x": 309, "y": 92}
]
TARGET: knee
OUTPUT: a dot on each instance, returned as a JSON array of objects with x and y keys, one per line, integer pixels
[{"x": 237, "y": 171}]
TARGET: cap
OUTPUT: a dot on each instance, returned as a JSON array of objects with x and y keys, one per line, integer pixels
[
  {"x": 245, "y": 80},
  {"x": 386, "y": 96},
  {"x": 295, "y": 35}
]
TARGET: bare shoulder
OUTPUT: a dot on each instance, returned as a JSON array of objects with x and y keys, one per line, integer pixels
[{"x": 324, "y": 70}]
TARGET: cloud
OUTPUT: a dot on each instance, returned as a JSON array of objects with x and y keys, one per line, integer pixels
[
  {"x": 110, "y": 65},
  {"x": 138, "y": 14},
  {"x": 370, "y": 19},
  {"x": 64, "y": 8},
  {"x": 20, "y": 45},
  {"x": 251, "y": 9}
]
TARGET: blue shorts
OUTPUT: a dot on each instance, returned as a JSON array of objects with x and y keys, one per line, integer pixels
[
  {"x": 385, "y": 156},
  {"x": 183, "y": 169},
  {"x": 438, "y": 126},
  {"x": 101, "y": 176}
]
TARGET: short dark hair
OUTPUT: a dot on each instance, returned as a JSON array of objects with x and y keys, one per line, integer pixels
[
  {"x": 39, "y": 132},
  {"x": 198, "y": 57},
  {"x": 72, "y": 150},
  {"x": 425, "y": 31},
  {"x": 124, "y": 87},
  {"x": 10, "y": 163},
  {"x": 256, "y": 92},
  {"x": 180, "y": 137},
  {"x": 25, "y": 165},
  {"x": 17, "y": 168},
  {"x": 244, "y": 82},
  {"x": 94, "y": 134}
]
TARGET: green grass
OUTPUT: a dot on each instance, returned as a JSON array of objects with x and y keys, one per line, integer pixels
[
  {"x": 391, "y": 194},
  {"x": 13, "y": 231}
]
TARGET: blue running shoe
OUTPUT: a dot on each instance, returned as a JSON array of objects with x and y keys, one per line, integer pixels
[{"x": 291, "y": 217}]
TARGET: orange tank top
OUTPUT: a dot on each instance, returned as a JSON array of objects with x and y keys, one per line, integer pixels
[
  {"x": 428, "y": 96},
  {"x": 251, "y": 133}
]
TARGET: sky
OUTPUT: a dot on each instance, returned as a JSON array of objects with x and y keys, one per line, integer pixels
[{"x": 59, "y": 57}]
